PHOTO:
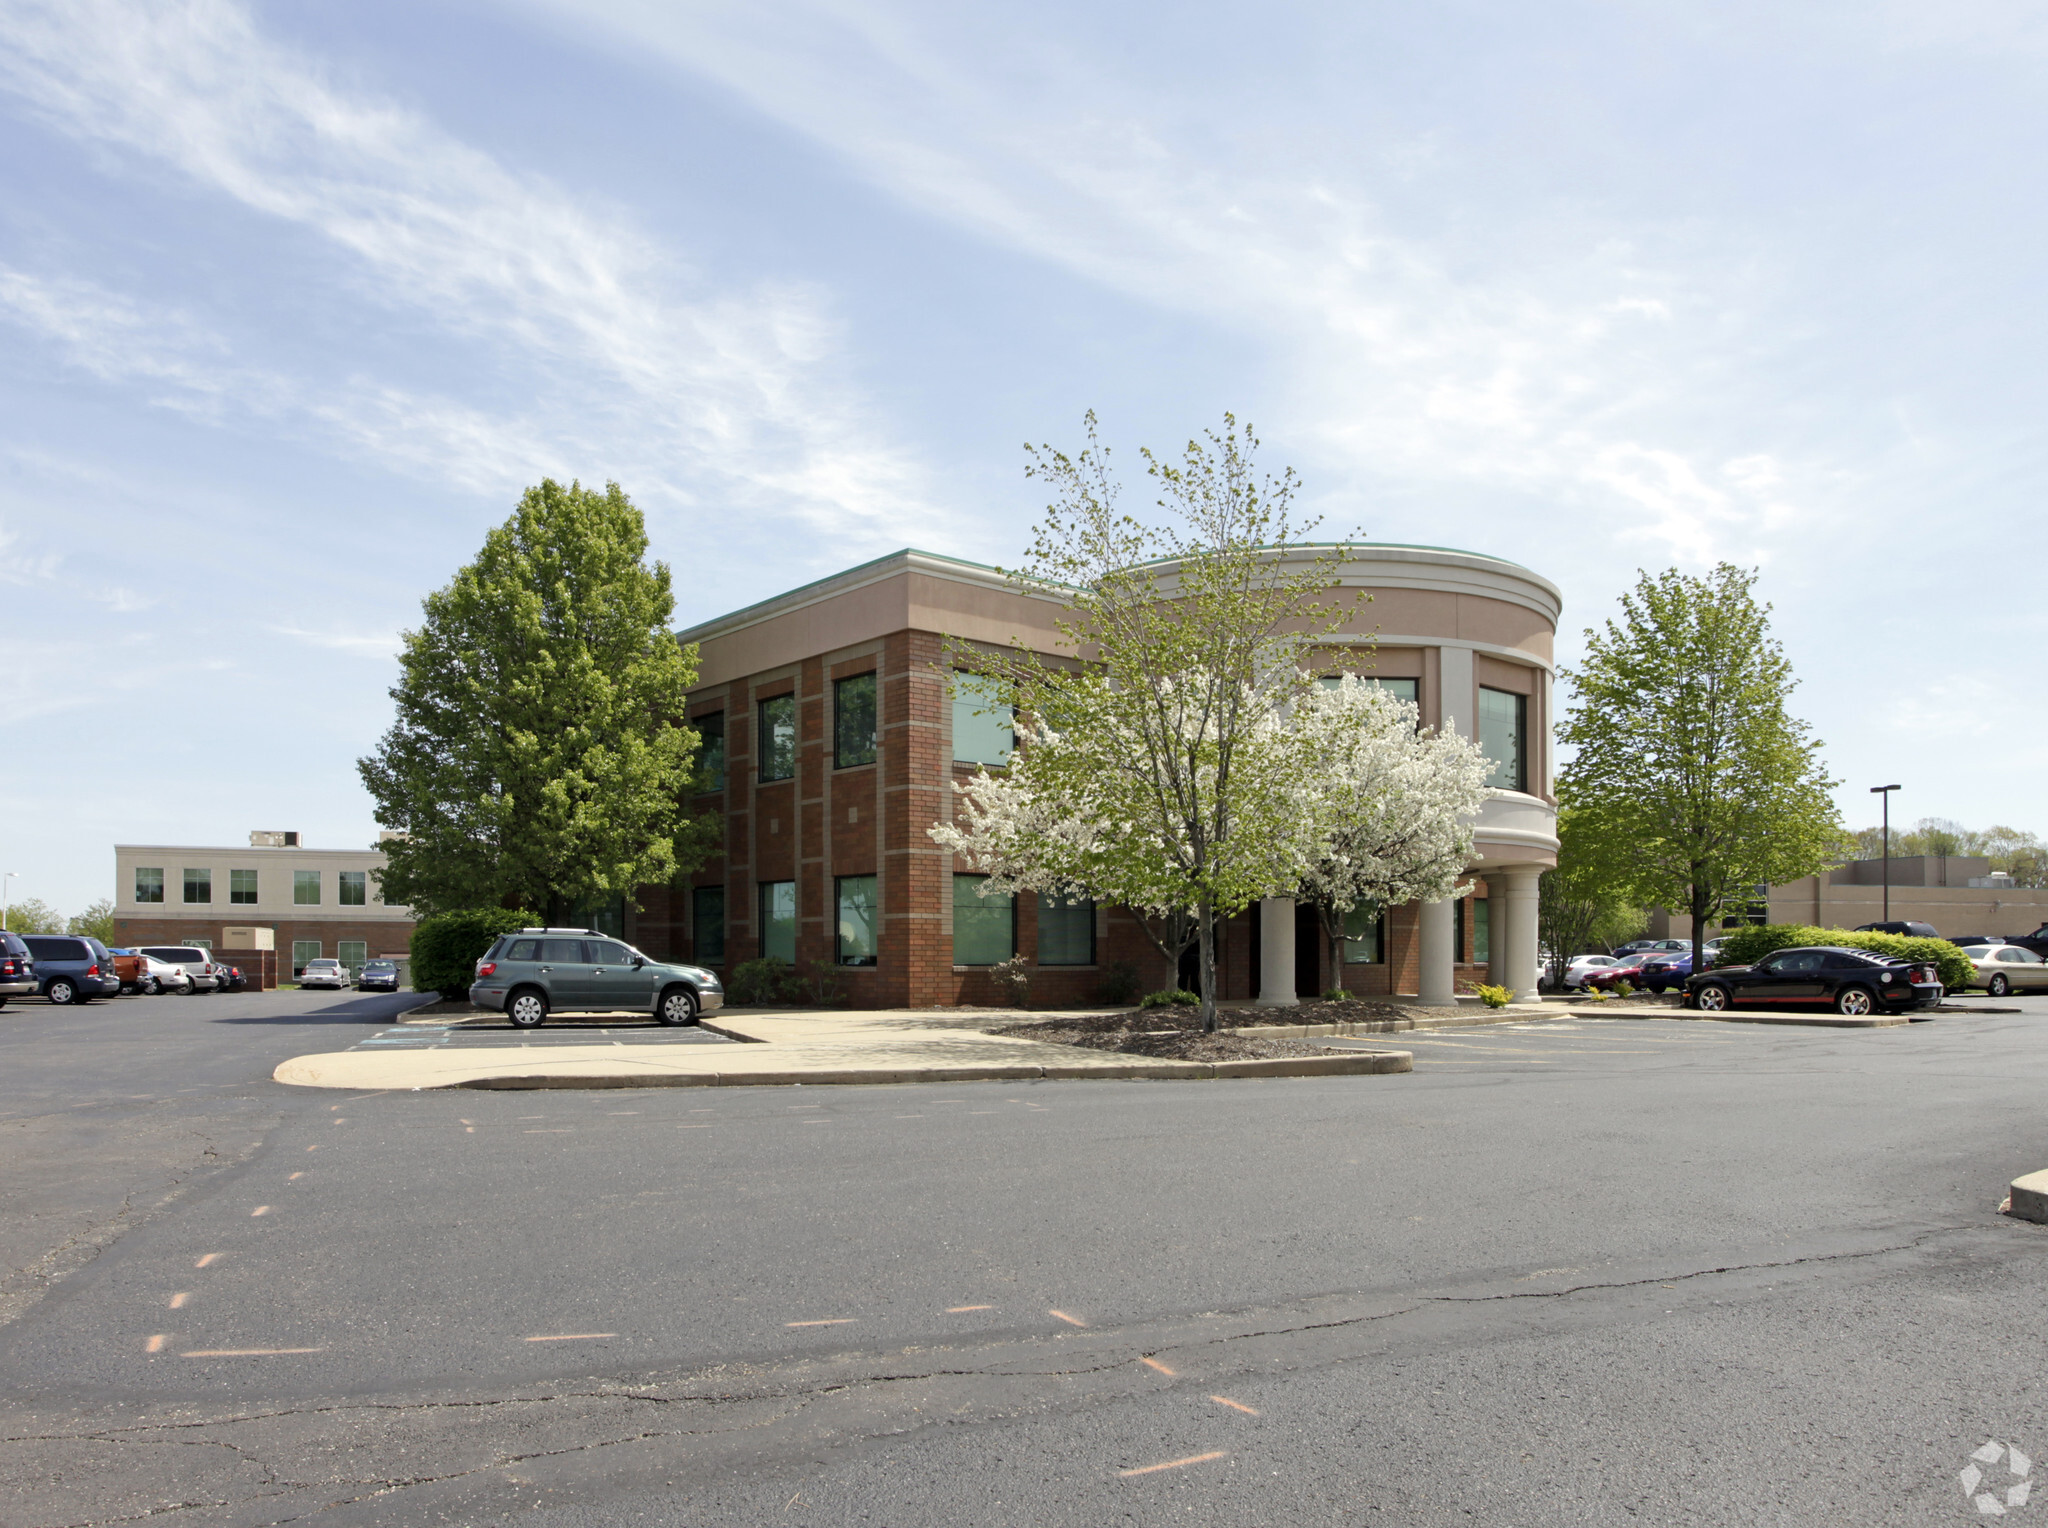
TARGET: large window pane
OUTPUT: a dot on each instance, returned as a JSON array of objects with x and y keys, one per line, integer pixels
[
  {"x": 306, "y": 888},
  {"x": 711, "y": 755},
  {"x": 858, "y": 920},
  {"x": 1503, "y": 720},
  {"x": 352, "y": 953},
  {"x": 1365, "y": 936},
  {"x": 778, "y": 738},
  {"x": 853, "y": 721},
  {"x": 242, "y": 887},
  {"x": 981, "y": 722},
  {"x": 778, "y": 920},
  {"x": 149, "y": 883},
  {"x": 353, "y": 888},
  {"x": 303, "y": 950},
  {"x": 984, "y": 928},
  {"x": 1482, "y": 931},
  {"x": 198, "y": 885},
  {"x": 1066, "y": 932},
  {"x": 707, "y": 924}
]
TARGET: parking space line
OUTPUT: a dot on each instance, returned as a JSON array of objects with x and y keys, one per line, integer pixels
[
  {"x": 178, "y": 1300},
  {"x": 296, "y": 1176},
  {"x": 954, "y": 1310},
  {"x": 573, "y": 1337},
  {"x": 1070, "y": 1320},
  {"x": 155, "y": 1344},
  {"x": 210, "y": 1257},
  {"x": 1175, "y": 1464},
  {"x": 1224, "y": 1400},
  {"x": 246, "y": 1352},
  {"x": 1153, "y": 1363},
  {"x": 261, "y": 1209},
  {"x": 834, "y": 1321}
]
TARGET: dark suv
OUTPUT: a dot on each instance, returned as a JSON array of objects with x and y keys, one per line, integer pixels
[
  {"x": 539, "y": 971},
  {"x": 17, "y": 968},
  {"x": 72, "y": 968}
]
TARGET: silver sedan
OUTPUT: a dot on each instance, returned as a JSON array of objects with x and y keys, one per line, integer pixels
[{"x": 2003, "y": 968}]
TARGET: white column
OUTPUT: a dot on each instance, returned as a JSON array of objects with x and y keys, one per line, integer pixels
[
  {"x": 1522, "y": 939},
  {"x": 1276, "y": 953},
  {"x": 1437, "y": 986}
]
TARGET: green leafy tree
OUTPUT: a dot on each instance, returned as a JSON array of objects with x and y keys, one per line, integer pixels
[
  {"x": 32, "y": 915},
  {"x": 1158, "y": 774},
  {"x": 97, "y": 921},
  {"x": 1691, "y": 780},
  {"x": 1580, "y": 905},
  {"x": 541, "y": 757}
]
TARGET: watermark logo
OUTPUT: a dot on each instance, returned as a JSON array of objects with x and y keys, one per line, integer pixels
[{"x": 1994, "y": 1498}]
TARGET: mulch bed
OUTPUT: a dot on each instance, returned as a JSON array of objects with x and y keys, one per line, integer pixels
[{"x": 1173, "y": 1034}]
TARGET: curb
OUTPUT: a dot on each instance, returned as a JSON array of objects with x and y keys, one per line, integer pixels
[
  {"x": 1363, "y": 1064},
  {"x": 2029, "y": 1199},
  {"x": 1809, "y": 1020}
]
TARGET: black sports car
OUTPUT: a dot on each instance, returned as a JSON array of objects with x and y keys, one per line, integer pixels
[{"x": 1852, "y": 982}]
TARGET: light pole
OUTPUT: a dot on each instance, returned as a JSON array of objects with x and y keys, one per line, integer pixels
[
  {"x": 1885, "y": 792},
  {"x": 6, "y": 897}
]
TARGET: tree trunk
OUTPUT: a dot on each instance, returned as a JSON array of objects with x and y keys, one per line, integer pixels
[{"x": 1206, "y": 932}]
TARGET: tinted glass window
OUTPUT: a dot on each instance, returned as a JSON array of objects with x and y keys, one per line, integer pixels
[
  {"x": 1364, "y": 936},
  {"x": 711, "y": 746},
  {"x": 2026, "y": 957},
  {"x": 853, "y": 721},
  {"x": 242, "y": 887},
  {"x": 524, "y": 949},
  {"x": 984, "y": 928},
  {"x": 858, "y": 899},
  {"x": 605, "y": 953},
  {"x": 149, "y": 884},
  {"x": 57, "y": 949},
  {"x": 1802, "y": 961},
  {"x": 778, "y": 738},
  {"x": 982, "y": 733},
  {"x": 306, "y": 888},
  {"x": 10, "y": 945},
  {"x": 565, "y": 952},
  {"x": 198, "y": 885},
  {"x": 778, "y": 920},
  {"x": 707, "y": 926},
  {"x": 1503, "y": 728},
  {"x": 353, "y": 888},
  {"x": 1066, "y": 932}
]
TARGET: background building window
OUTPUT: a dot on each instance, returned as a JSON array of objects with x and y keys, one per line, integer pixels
[
  {"x": 198, "y": 885},
  {"x": 778, "y": 738},
  {"x": 352, "y": 888},
  {"x": 305, "y": 889},
  {"x": 1503, "y": 724},
  {"x": 982, "y": 733},
  {"x": 242, "y": 887},
  {"x": 1482, "y": 931},
  {"x": 149, "y": 883},
  {"x": 858, "y": 907},
  {"x": 303, "y": 950},
  {"x": 711, "y": 750},
  {"x": 352, "y": 953},
  {"x": 1365, "y": 936},
  {"x": 778, "y": 920},
  {"x": 984, "y": 928},
  {"x": 707, "y": 924},
  {"x": 853, "y": 721},
  {"x": 1066, "y": 932}
]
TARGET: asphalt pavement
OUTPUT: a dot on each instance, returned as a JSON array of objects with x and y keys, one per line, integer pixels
[{"x": 1578, "y": 1271}]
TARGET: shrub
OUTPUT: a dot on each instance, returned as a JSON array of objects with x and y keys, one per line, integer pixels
[
  {"x": 1336, "y": 995},
  {"x": 1177, "y": 999},
  {"x": 1012, "y": 981},
  {"x": 447, "y": 946},
  {"x": 1495, "y": 997},
  {"x": 1624, "y": 988},
  {"x": 1746, "y": 946},
  {"x": 1121, "y": 983},
  {"x": 767, "y": 980}
]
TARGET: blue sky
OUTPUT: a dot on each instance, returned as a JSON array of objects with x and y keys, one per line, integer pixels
[{"x": 294, "y": 300}]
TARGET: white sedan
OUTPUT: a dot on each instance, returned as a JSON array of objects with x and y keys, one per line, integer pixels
[
  {"x": 324, "y": 973},
  {"x": 2003, "y": 968},
  {"x": 1582, "y": 966}
]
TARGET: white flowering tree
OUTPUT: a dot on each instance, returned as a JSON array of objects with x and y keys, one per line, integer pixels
[
  {"x": 1393, "y": 805},
  {"x": 1157, "y": 771}
]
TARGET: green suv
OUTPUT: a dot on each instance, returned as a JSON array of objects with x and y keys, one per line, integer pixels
[{"x": 539, "y": 971}]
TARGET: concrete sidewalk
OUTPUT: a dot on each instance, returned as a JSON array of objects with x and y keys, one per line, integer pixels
[{"x": 810, "y": 1046}]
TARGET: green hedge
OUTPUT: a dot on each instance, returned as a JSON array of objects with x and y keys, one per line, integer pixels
[
  {"x": 447, "y": 946},
  {"x": 1746, "y": 946}
]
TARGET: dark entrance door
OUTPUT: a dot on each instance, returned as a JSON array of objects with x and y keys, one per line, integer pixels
[{"x": 1308, "y": 952}]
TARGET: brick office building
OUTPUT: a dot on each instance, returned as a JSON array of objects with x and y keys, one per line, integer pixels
[{"x": 838, "y": 732}]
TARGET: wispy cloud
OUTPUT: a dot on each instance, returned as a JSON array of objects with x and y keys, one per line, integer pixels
[
  {"x": 707, "y": 397},
  {"x": 374, "y": 645}
]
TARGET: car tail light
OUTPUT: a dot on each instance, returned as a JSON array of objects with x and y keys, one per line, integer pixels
[
  {"x": 486, "y": 968},
  {"x": 92, "y": 970},
  {"x": 6, "y": 968}
]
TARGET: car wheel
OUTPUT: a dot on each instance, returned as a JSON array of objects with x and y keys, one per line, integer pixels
[
  {"x": 151, "y": 986},
  {"x": 1855, "y": 1002},
  {"x": 1998, "y": 986},
  {"x": 62, "y": 993},
  {"x": 527, "y": 1009},
  {"x": 1713, "y": 998},
  {"x": 678, "y": 1006}
]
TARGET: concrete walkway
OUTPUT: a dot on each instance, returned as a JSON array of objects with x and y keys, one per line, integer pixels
[{"x": 809, "y": 1046}]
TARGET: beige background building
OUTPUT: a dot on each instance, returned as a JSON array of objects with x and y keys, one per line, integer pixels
[{"x": 1956, "y": 893}]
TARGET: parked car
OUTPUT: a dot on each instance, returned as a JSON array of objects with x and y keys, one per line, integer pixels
[
  {"x": 197, "y": 964},
  {"x": 1651, "y": 946},
  {"x": 161, "y": 976},
  {"x": 1661, "y": 973},
  {"x": 539, "y": 971},
  {"x": 1910, "y": 929},
  {"x": 2036, "y": 941},
  {"x": 324, "y": 973},
  {"x": 378, "y": 976},
  {"x": 1964, "y": 941},
  {"x": 1581, "y": 966},
  {"x": 1852, "y": 982},
  {"x": 72, "y": 968},
  {"x": 17, "y": 969},
  {"x": 1627, "y": 969},
  {"x": 128, "y": 968},
  {"x": 232, "y": 979},
  {"x": 2003, "y": 968}
]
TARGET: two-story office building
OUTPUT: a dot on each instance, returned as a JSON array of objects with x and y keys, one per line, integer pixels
[
  {"x": 836, "y": 732},
  {"x": 316, "y": 902}
]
